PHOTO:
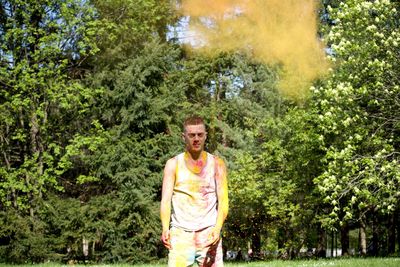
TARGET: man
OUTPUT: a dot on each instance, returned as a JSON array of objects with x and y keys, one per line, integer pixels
[{"x": 194, "y": 202}]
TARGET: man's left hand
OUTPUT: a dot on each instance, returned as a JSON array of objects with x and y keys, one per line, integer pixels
[{"x": 213, "y": 236}]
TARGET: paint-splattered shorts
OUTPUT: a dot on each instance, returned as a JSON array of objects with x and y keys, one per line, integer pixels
[{"x": 188, "y": 247}]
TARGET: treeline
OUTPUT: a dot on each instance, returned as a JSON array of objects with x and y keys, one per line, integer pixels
[{"x": 92, "y": 97}]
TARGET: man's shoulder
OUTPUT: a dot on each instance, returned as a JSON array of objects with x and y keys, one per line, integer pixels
[
  {"x": 180, "y": 155},
  {"x": 174, "y": 158},
  {"x": 171, "y": 160},
  {"x": 170, "y": 166},
  {"x": 216, "y": 157}
]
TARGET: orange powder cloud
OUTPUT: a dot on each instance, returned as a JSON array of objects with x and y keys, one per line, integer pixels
[{"x": 274, "y": 31}]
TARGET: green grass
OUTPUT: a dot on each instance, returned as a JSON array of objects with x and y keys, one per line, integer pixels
[
  {"x": 356, "y": 262},
  {"x": 370, "y": 262}
]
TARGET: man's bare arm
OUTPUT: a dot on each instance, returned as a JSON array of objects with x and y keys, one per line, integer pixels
[
  {"x": 223, "y": 201},
  {"x": 222, "y": 193},
  {"x": 165, "y": 209}
]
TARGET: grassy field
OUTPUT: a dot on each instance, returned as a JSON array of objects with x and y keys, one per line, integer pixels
[
  {"x": 355, "y": 262},
  {"x": 369, "y": 262}
]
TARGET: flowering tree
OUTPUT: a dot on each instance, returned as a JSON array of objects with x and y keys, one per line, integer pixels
[{"x": 358, "y": 114}]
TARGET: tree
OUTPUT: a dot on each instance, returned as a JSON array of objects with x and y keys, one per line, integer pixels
[
  {"x": 357, "y": 111},
  {"x": 42, "y": 106},
  {"x": 125, "y": 26},
  {"x": 41, "y": 40},
  {"x": 138, "y": 110}
]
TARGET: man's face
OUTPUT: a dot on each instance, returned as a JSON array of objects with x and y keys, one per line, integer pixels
[{"x": 195, "y": 137}]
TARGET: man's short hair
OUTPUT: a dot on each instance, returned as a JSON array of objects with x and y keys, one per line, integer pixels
[{"x": 193, "y": 120}]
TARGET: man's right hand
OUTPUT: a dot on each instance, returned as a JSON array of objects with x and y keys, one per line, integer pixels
[{"x": 165, "y": 238}]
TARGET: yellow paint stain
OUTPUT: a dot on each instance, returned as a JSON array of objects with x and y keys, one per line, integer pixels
[{"x": 280, "y": 32}]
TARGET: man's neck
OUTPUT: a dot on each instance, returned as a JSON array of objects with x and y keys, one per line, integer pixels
[
  {"x": 196, "y": 162},
  {"x": 194, "y": 155}
]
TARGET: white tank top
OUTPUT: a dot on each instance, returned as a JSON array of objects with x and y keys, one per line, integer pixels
[{"x": 194, "y": 199}]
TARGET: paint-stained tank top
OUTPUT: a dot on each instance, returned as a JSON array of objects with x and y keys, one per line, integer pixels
[{"x": 194, "y": 199}]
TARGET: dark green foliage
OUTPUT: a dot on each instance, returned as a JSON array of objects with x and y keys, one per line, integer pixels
[
  {"x": 125, "y": 26},
  {"x": 138, "y": 110},
  {"x": 23, "y": 239}
]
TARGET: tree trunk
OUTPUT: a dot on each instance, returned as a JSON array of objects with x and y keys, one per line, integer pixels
[
  {"x": 30, "y": 195},
  {"x": 398, "y": 229},
  {"x": 36, "y": 149},
  {"x": 85, "y": 247},
  {"x": 363, "y": 238},
  {"x": 321, "y": 246},
  {"x": 332, "y": 243},
  {"x": 281, "y": 237},
  {"x": 256, "y": 244},
  {"x": 392, "y": 234},
  {"x": 13, "y": 196},
  {"x": 375, "y": 237},
  {"x": 345, "y": 239}
]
